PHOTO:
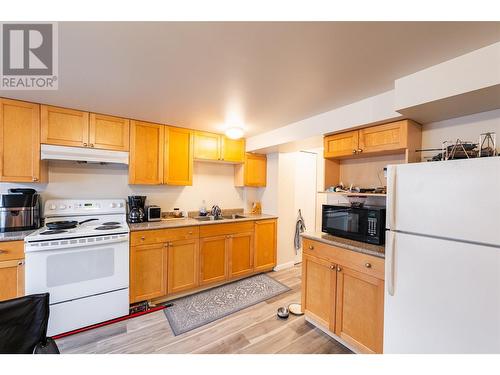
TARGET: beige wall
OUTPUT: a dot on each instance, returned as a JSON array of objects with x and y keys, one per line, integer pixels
[{"x": 212, "y": 182}]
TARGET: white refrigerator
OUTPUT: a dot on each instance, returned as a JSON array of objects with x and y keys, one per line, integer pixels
[{"x": 442, "y": 286}]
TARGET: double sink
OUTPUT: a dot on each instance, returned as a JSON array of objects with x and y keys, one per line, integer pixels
[{"x": 217, "y": 218}]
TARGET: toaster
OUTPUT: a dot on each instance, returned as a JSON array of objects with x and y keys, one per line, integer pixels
[{"x": 153, "y": 213}]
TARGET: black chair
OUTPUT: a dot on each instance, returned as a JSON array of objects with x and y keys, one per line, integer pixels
[{"x": 23, "y": 326}]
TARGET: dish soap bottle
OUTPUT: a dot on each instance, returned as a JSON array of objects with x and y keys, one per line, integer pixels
[{"x": 203, "y": 209}]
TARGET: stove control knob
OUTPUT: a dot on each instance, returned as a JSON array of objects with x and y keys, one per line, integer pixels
[
  {"x": 120, "y": 205},
  {"x": 113, "y": 205},
  {"x": 62, "y": 206},
  {"x": 53, "y": 207}
]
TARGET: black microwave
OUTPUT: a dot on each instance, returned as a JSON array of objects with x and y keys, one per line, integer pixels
[{"x": 365, "y": 224}]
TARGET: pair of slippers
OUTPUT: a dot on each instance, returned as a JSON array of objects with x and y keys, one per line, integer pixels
[{"x": 293, "y": 308}]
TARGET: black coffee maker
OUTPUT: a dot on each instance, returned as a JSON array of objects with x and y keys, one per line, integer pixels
[{"x": 136, "y": 205}]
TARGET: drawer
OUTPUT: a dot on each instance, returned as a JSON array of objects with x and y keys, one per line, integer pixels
[
  {"x": 229, "y": 228},
  {"x": 364, "y": 263},
  {"x": 163, "y": 235},
  {"x": 11, "y": 250}
]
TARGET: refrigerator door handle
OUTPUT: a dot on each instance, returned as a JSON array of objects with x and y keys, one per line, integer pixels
[
  {"x": 390, "y": 253},
  {"x": 392, "y": 193}
]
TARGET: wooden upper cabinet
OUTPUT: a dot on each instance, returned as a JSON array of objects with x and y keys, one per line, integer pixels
[
  {"x": 360, "y": 309},
  {"x": 253, "y": 172},
  {"x": 64, "y": 127},
  {"x": 20, "y": 142},
  {"x": 341, "y": 145},
  {"x": 395, "y": 137},
  {"x": 241, "y": 254},
  {"x": 232, "y": 150},
  {"x": 178, "y": 161},
  {"x": 148, "y": 272},
  {"x": 213, "y": 259},
  {"x": 183, "y": 265},
  {"x": 207, "y": 146},
  {"x": 265, "y": 245},
  {"x": 392, "y": 136},
  {"x": 146, "y": 153},
  {"x": 108, "y": 132},
  {"x": 318, "y": 290}
]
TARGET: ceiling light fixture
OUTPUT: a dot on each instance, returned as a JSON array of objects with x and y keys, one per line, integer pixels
[{"x": 234, "y": 132}]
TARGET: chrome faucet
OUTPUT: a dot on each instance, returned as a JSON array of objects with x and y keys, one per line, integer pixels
[{"x": 216, "y": 211}]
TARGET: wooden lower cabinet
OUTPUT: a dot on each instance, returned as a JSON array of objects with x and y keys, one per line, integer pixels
[
  {"x": 241, "y": 254},
  {"x": 183, "y": 259},
  {"x": 11, "y": 279},
  {"x": 213, "y": 259},
  {"x": 343, "y": 291},
  {"x": 265, "y": 245},
  {"x": 318, "y": 298},
  {"x": 359, "y": 314},
  {"x": 148, "y": 271},
  {"x": 165, "y": 262}
]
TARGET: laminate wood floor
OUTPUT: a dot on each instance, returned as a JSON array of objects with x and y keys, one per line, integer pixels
[{"x": 254, "y": 330}]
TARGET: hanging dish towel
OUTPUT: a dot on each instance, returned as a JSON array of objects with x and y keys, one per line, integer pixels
[{"x": 300, "y": 227}]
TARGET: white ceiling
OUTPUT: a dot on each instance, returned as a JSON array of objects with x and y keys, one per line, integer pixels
[{"x": 268, "y": 75}]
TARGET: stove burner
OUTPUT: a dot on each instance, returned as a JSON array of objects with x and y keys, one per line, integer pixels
[
  {"x": 108, "y": 227},
  {"x": 53, "y": 232},
  {"x": 111, "y": 223}
]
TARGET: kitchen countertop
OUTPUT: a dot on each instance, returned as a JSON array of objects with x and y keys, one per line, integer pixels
[
  {"x": 189, "y": 222},
  {"x": 360, "y": 247},
  {"x": 15, "y": 236}
]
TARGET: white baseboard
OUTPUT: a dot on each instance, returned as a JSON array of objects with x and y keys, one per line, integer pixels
[{"x": 284, "y": 266}]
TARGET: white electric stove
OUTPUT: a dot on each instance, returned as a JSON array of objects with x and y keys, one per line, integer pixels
[{"x": 81, "y": 257}]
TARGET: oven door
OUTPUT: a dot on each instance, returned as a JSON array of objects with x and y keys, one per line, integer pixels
[
  {"x": 77, "y": 270},
  {"x": 345, "y": 222}
]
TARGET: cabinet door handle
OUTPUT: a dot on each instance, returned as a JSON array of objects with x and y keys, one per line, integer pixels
[
  {"x": 190, "y": 232},
  {"x": 354, "y": 151},
  {"x": 170, "y": 244},
  {"x": 339, "y": 269},
  {"x": 311, "y": 247},
  {"x": 35, "y": 179},
  {"x": 359, "y": 150},
  {"x": 91, "y": 145},
  {"x": 3, "y": 251},
  {"x": 332, "y": 266},
  {"x": 143, "y": 238},
  {"x": 368, "y": 265},
  {"x": 84, "y": 145},
  {"x": 165, "y": 244},
  {"x": 21, "y": 263}
]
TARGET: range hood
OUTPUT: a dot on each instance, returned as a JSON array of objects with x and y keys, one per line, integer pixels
[{"x": 89, "y": 155}]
